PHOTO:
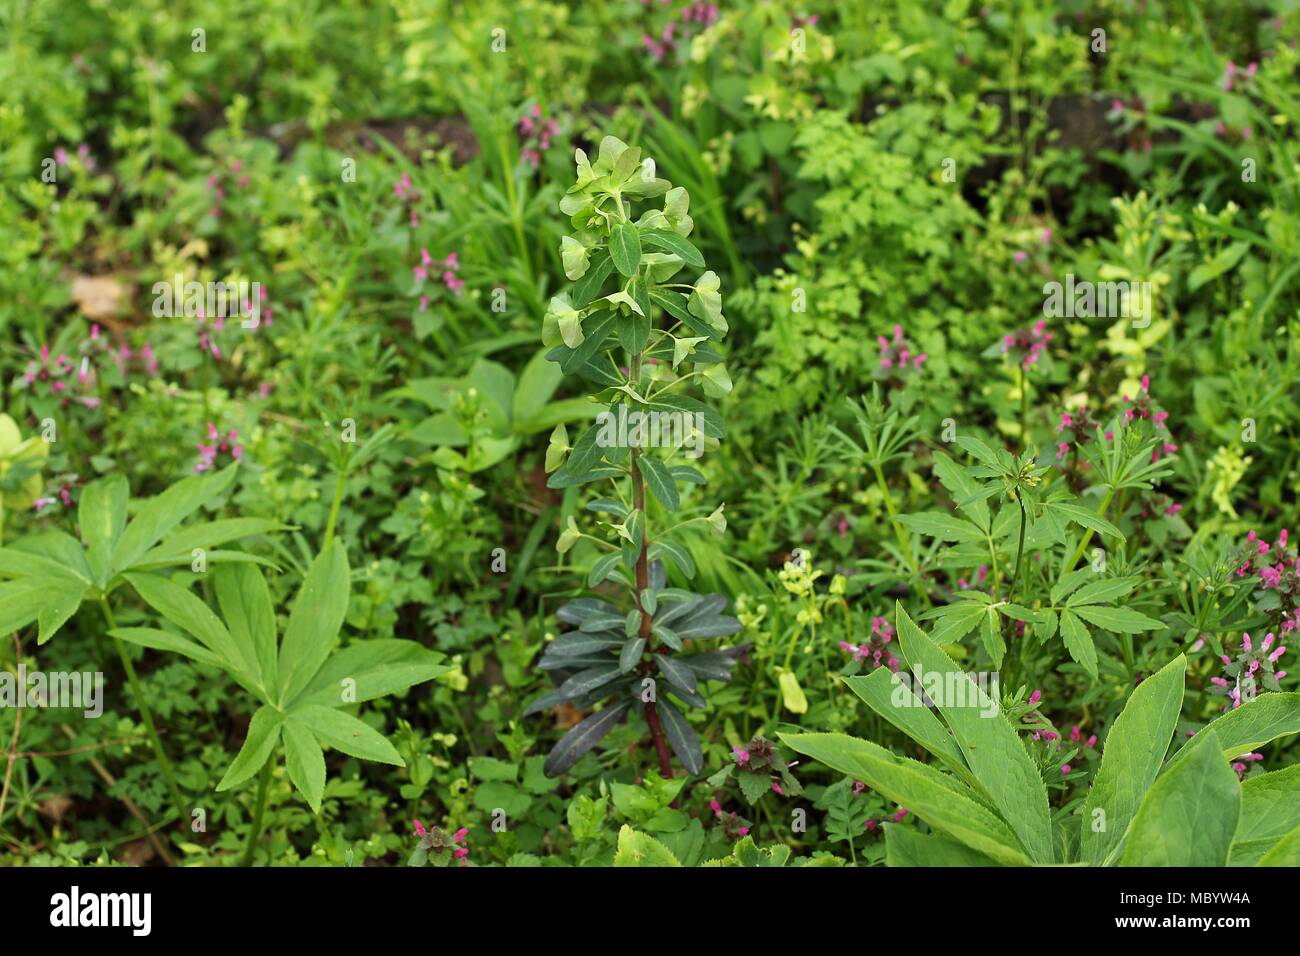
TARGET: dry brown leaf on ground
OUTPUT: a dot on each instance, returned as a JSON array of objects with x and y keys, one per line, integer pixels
[{"x": 98, "y": 297}]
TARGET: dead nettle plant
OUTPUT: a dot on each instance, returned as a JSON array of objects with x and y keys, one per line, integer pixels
[{"x": 643, "y": 340}]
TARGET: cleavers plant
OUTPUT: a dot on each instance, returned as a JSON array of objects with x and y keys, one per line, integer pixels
[{"x": 643, "y": 340}]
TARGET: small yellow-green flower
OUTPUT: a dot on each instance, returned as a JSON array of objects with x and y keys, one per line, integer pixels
[{"x": 24, "y": 456}]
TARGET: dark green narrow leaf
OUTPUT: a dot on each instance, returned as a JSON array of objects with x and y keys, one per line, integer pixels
[
  {"x": 681, "y": 736},
  {"x": 633, "y": 648},
  {"x": 678, "y": 674},
  {"x": 660, "y": 480},
  {"x": 588, "y": 288},
  {"x": 675, "y": 305},
  {"x": 671, "y": 242},
  {"x": 582, "y": 738}
]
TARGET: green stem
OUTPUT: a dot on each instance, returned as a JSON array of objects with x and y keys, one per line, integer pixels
[
  {"x": 1083, "y": 542},
  {"x": 263, "y": 782},
  {"x": 1020, "y": 550},
  {"x": 145, "y": 713},
  {"x": 334, "y": 508}
]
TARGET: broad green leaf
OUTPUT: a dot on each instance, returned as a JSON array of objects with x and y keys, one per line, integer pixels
[
  {"x": 1130, "y": 759},
  {"x": 886, "y": 694},
  {"x": 640, "y": 849},
  {"x": 101, "y": 516},
  {"x": 941, "y": 801},
  {"x": 314, "y": 620},
  {"x": 1286, "y": 852},
  {"x": 263, "y": 735},
  {"x": 1270, "y": 809},
  {"x": 1190, "y": 813},
  {"x": 369, "y": 669},
  {"x": 342, "y": 731},
  {"x": 906, "y": 846},
  {"x": 305, "y": 760},
  {"x": 993, "y": 750},
  {"x": 1253, "y": 724}
]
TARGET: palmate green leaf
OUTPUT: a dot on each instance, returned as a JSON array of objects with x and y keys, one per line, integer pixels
[
  {"x": 1101, "y": 592},
  {"x": 904, "y": 846},
  {"x": 343, "y": 732},
  {"x": 1189, "y": 815},
  {"x": 991, "y": 637},
  {"x": 314, "y": 620},
  {"x": 885, "y": 693},
  {"x": 178, "y": 548},
  {"x": 681, "y": 736},
  {"x": 1270, "y": 809},
  {"x": 1130, "y": 759},
  {"x": 370, "y": 669},
  {"x": 21, "y": 602},
  {"x": 1121, "y": 620},
  {"x": 246, "y": 606},
  {"x": 941, "y": 801},
  {"x": 189, "y": 613},
  {"x": 1078, "y": 641},
  {"x": 956, "y": 620},
  {"x": 263, "y": 735},
  {"x": 160, "y": 640},
  {"x": 979, "y": 451},
  {"x": 963, "y": 489},
  {"x": 660, "y": 481},
  {"x": 583, "y": 737},
  {"x": 53, "y": 554},
  {"x": 944, "y": 527},
  {"x": 101, "y": 517},
  {"x": 1082, "y": 516},
  {"x": 994, "y": 752},
  {"x": 305, "y": 760},
  {"x": 62, "y": 598},
  {"x": 159, "y": 515}
]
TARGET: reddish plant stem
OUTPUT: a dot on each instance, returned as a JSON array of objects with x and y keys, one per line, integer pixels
[{"x": 638, "y": 502}]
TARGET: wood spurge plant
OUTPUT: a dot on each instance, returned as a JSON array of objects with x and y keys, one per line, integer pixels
[{"x": 646, "y": 343}]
